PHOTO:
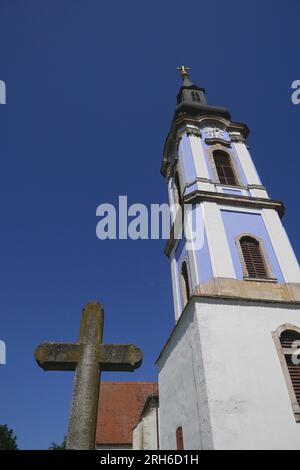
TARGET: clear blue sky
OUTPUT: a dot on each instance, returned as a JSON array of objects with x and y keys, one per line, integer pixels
[{"x": 91, "y": 89}]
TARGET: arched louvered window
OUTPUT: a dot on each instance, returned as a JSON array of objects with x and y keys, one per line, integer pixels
[
  {"x": 179, "y": 439},
  {"x": 185, "y": 285},
  {"x": 287, "y": 340},
  {"x": 290, "y": 343},
  {"x": 177, "y": 191},
  {"x": 253, "y": 258},
  {"x": 224, "y": 168}
]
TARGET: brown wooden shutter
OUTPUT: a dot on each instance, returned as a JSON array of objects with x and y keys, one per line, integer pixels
[
  {"x": 253, "y": 258},
  {"x": 179, "y": 438},
  {"x": 287, "y": 339},
  {"x": 294, "y": 371},
  {"x": 224, "y": 168}
]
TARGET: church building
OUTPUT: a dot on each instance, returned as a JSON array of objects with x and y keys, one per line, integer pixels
[{"x": 229, "y": 374}]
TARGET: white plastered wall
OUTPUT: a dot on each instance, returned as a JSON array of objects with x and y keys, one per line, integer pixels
[
  {"x": 145, "y": 433},
  {"x": 182, "y": 394},
  {"x": 226, "y": 388}
]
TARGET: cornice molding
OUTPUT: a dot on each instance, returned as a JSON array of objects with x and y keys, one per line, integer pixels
[
  {"x": 217, "y": 140},
  {"x": 237, "y": 138},
  {"x": 192, "y": 131},
  {"x": 232, "y": 199},
  {"x": 256, "y": 186},
  {"x": 198, "y": 180}
]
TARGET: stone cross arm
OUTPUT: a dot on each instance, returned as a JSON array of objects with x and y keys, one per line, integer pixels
[{"x": 110, "y": 357}]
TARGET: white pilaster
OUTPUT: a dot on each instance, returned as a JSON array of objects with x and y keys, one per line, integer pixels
[
  {"x": 180, "y": 168},
  {"x": 171, "y": 200},
  {"x": 200, "y": 164},
  {"x": 199, "y": 157},
  {"x": 175, "y": 280},
  {"x": 219, "y": 250},
  {"x": 257, "y": 192},
  {"x": 247, "y": 163},
  {"x": 170, "y": 192},
  {"x": 282, "y": 246},
  {"x": 191, "y": 249}
]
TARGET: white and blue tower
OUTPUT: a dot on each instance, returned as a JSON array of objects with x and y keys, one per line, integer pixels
[{"x": 228, "y": 374}]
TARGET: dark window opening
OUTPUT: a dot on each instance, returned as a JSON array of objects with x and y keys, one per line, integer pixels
[
  {"x": 185, "y": 286},
  {"x": 224, "y": 168},
  {"x": 288, "y": 337},
  {"x": 177, "y": 191},
  {"x": 253, "y": 258},
  {"x": 195, "y": 96}
]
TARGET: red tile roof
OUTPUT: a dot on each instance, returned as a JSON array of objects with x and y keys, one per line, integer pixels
[{"x": 120, "y": 406}]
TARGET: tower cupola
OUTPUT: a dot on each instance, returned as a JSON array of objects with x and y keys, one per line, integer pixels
[{"x": 191, "y": 98}]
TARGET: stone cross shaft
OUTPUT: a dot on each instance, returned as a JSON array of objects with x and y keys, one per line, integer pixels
[{"x": 88, "y": 357}]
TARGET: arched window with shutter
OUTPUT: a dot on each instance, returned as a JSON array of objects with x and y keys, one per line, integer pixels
[
  {"x": 287, "y": 341},
  {"x": 224, "y": 167},
  {"x": 254, "y": 258},
  {"x": 185, "y": 284}
]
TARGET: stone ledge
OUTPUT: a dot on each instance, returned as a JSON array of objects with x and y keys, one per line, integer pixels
[
  {"x": 252, "y": 291},
  {"x": 235, "y": 200}
]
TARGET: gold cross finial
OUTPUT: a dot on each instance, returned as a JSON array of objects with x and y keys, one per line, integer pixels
[{"x": 184, "y": 71}]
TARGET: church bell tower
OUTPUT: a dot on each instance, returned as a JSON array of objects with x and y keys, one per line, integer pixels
[{"x": 228, "y": 375}]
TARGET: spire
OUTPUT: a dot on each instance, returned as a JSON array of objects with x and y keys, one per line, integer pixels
[
  {"x": 184, "y": 72},
  {"x": 191, "y": 98}
]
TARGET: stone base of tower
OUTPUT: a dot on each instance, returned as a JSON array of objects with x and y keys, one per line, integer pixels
[{"x": 221, "y": 379}]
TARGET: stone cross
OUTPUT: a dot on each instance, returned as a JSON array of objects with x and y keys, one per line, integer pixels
[{"x": 88, "y": 357}]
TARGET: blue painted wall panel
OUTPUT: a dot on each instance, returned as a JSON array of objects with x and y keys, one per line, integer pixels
[{"x": 235, "y": 192}]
